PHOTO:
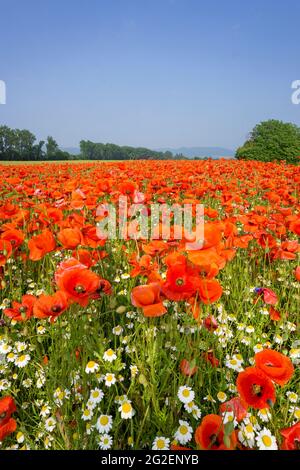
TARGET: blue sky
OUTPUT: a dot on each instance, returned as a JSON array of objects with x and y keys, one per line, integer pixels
[{"x": 157, "y": 73}]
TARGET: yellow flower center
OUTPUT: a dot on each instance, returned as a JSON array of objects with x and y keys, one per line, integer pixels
[
  {"x": 160, "y": 444},
  {"x": 126, "y": 407},
  {"x": 183, "y": 430},
  {"x": 267, "y": 441},
  {"x": 104, "y": 420},
  {"x": 186, "y": 393}
]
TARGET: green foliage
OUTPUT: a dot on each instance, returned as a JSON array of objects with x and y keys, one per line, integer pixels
[
  {"x": 99, "y": 151},
  {"x": 272, "y": 141}
]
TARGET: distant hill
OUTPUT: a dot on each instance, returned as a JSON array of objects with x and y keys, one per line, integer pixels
[{"x": 214, "y": 152}]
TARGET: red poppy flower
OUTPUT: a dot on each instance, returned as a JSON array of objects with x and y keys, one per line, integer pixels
[
  {"x": 275, "y": 365},
  {"x": 15, "y": 237},
  {"x": 182, "y": 281},
  {"x": 267, "y": 295},
  {"x": 186, "y": 368},
  {"x": 211, "y": 358},
  {"x": 255, "y": 388},
  {"x": 274, "y": 314},
  {"x": 21, "y": 311},
  {"x": 7, "y": 424},
  {"x": 78, "y": 284},
  {"x": 291, "y": 437},
  {"x": 210, "y": 291},
  {"x": 210, "y": 434},
  {"x": 147, "y": 297},
  {"x": 70, "y": 237},
  {"x": 235, "y": 405},
  {"x": 41, "y": 244},
  {"x": 5, "y": 251},
  {"x": 297, "y": 273},
  {"x": 50, "y": 305}
]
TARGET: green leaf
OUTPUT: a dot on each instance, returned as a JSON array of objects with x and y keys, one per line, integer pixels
[{"x": 228, "y": 428}]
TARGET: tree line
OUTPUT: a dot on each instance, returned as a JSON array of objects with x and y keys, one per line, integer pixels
[{"x": 22, "y": 145}]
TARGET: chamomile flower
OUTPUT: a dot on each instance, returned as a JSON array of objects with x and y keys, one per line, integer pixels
[
  {"x": 292, "y": 397},
  {"x": 127, "y": 412},
  {"x": 117, "y": 330},
  {"x": 161, "y": 443},
  {"x": 11, "y": 357},
  {"x": 105, "y": 442},
  {"x": 246, "y": 435},
  {"x": 22, "y": 361},
  {"x": 104, "y": 423},
  {"x": 185, "y": 394},
  {"x": 184, "y": 432},
  {"x": 45, "y": 410},
  {"x": 264, "y": 414},
  {"x": 20, "y": 437},
  {"x": 221, "y": 396},
  {"x": 50, "y": 424},
  {"x": 265, "y": 440},
  {"x": 87, "y": 414},
  {"x": 234, "y": 364},
  {"x": 91, "y": 367},
  {"x": 110, "y": 379},
  {"x": 5, "y": 348},
  {"x": 109, "y": 355},
  {"x": 41, "y": 330},
  {"x": 96, "y": 395}
]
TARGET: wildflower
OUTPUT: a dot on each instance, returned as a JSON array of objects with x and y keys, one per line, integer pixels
[
  {"x": 87, "y": 414},
  {"x": 265, "y": 440},
  {"x": 91, "y": 367},
  {"x": 161, "y": 443},
  {"x": 221, "y": 396},
  {"x": 96, "y": 395},
  {"x": 185, "y": 394},
  {"x": 22, "y": 361},
  {"x": 275, "y": 365},
  {"x": 127, "y": 412},
  {"x": 104, "y": 423},
  {"x": 110, "y": 379},
  {"x": 105, "y": 442},
  {"x": 109, "y": 355},
  {"x": 264, "y": 414},
  {"x": 210, "y": 434},
  {"x": 117, "y": 330},
  {"x": 184, "y": 432},
  {"x": 255, "y": 388},
  {"x": 50, "y": 424}
]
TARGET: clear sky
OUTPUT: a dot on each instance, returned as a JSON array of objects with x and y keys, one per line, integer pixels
[{"x": 157, "y": 73}]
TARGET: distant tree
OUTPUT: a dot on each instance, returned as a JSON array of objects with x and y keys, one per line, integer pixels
[
  {"x": 271, "y": 141},
  {"x": 51, "y": 148}
]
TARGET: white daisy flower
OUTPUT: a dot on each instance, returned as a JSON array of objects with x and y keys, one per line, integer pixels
[
  {"x": 221, "y": 396},
  {"x": 264, "y": 414},
  {"x": 161, "y": 443},
  {"x": 104, "y": 423},
  {"x": 50, "y": 424},
  {"x": 105, "y": 442},
  {"x": 127, "y": 412},
  {"x": 117, "y": 330},
  {"x": 184, "y": 432},
  {"x": 110, "y": 379},
  {"x": 109, "y": 355},
  {"x": 96, "y": 395},
  {"x": 265, "y": 440},
  {"x": 5, "y": 348},
  {"x": 87, "y": 414},
  {"x": 22, "y": 361},
  {"x": 185, "y": 394},
  {"x": 91, "y": 367},
  {"x": 292, "y": 397}
]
